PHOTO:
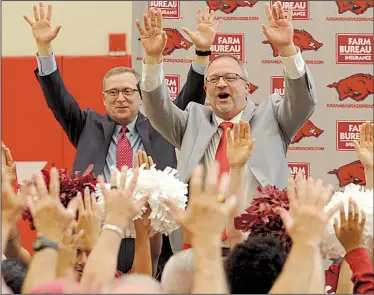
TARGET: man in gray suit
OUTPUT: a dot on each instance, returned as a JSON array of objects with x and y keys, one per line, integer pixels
[{"x": 197, "y": 132}]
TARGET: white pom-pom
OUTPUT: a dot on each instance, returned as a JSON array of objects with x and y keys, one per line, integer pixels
[
  {"x": 158, "y": 185},
  {"x": 331, "y": 246}
]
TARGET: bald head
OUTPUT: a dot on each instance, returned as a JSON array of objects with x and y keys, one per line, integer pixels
[{"x": 177, "y": 277}]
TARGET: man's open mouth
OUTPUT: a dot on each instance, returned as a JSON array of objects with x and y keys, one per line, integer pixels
[{"x": 223, "y": 96}]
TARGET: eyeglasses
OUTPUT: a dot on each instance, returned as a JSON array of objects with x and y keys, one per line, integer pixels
[
  {"x": 229, "y": 78},
  {"x": 128, "y": 92}
]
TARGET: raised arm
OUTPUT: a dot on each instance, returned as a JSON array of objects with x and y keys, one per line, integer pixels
[
  {"x": 364, "y": 151},
  {"x": 63, "y": 105},
  {"x": 202, "y": 38},
  {"x": 239, "y": 149},
  {"x": 299, "y": 98},
  {"x": 165, "y": 117}
]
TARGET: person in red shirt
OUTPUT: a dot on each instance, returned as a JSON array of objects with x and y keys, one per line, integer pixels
[{"x": 356, "y": 261}]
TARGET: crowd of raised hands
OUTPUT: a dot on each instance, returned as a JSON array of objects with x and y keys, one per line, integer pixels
[
  {"x": 85, "y": 259},
  {"x": 86, "y": 238}
]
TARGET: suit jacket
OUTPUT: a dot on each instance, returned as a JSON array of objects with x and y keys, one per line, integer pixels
[
  {"x": 91, "y": 133},
  {"x": 274, "y": 123}
]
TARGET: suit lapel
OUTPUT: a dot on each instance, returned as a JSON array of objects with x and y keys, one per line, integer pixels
[
  {"x": 206, "y": 131},
  {"x": 143, "y": 128},
  {"x": 108, "y": 126},
  {"x": 249, "y": 110},
  {"x": 247, "y": 116}
]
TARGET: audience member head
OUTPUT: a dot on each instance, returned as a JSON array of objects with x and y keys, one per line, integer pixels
[
  {"x": 226, "y": 86},
  {"x": 14, "y": 273},
  {"x": 135, "y": 284},
  {"x": 80, "y": 261},
  {"x": 121, "y": 94},
  {"x": 177, "y": 277},
  {"x": 253, "y": 266}
]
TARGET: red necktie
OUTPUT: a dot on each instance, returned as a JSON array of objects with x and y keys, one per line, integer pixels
[
  {"x": 221, "y": 157},
  {"x": 124, "y": 150}
]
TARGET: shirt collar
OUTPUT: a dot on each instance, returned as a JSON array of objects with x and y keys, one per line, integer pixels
[
  {"x": 130, "y": 127},
  {"x": 236, "y": 119}
]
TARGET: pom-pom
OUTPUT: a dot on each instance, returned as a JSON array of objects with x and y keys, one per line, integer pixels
[
  {"x": 70, "y": 185},
  {"x": 261, "y": 218},
  {"x": 158, "y": 185},
  {"x": 331, "y": 246}
]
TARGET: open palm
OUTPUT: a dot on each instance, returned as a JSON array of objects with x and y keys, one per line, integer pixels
[
  {"x": 280, "y": 30},
  {"x": 239, "y": 147},
  {"x": 41, "y": 26},
  {"x": 152, "y": 36},
  {"x": 364, "y": 148},
  {"x": 205, "y": 33}
]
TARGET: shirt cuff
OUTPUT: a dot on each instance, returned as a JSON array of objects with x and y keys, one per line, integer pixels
[
  {"x": 198, "y": 68},
  {"x": 294, "y": 66},
  {"x": 152, "y": 76},
  {"x": 46, "y": 64}
]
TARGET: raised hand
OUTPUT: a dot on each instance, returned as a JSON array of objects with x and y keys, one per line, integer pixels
[
  {"x": 51, "y": 218},
  {"x": 306, "y": 220},
  {"x": 280, "y": 30},
  {"x": 364, "y": 148},
  {"x": 143, "y": 224},
  {"x": 11, "y": 204},
  {"x": 142, "y": 158},
  {"x": 239, "y": 147},
  {"x": 41, "y": 26},
  {"x": 8, "y": 164},
  {"x": 89, "y": 219},
  {"x": 350, "y": 231},
  {"x": 205, "y": 33},
  {"x": 153, "y": 37},
  {"x": 120, "y": 208},
  {"x": 206, "y": 215}
]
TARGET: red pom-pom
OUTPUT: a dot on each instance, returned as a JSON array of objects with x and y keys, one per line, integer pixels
[
  {"x": 70, "y": 185},
  {"x": 261, "y": 217}
]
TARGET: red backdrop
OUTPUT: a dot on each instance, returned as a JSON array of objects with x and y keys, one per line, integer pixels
[{"x": 29, "y": 128}]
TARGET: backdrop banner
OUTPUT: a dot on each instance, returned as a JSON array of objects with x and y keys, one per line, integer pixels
[{"x": 336, "y": 40}]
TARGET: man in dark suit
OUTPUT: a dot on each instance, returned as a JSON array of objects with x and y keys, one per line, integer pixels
[{"x": 114, "y": 138}]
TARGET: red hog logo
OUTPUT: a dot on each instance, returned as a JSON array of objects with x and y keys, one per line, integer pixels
[
  {"x": 357, "y": 87},
  {"x": 357, "y": 7},
  {"x": 308, "y": 130},
  {"x": 350, "y": 173},
  {"x": 252, "y": 88},
  {"x": 228, "y": 7},
  {"x": 175, "y": 41},
  {"x": 301, "y": 39}
]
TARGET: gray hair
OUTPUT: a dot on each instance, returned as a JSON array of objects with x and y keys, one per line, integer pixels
[
  {"x": 118, "y": 71},
  {"x": 177, "y": 277},
  {"x": 244, "y": 70}
]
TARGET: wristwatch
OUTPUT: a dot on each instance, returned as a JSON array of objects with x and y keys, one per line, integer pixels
[
  {"x": 42, "y": 243},
  {"x": 203, "y": 53}
]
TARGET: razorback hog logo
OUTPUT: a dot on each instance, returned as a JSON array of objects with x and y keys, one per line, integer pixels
[
  {"x": 175, "y": 41},
  {"x": 350, "y": 173},
  {"x": 301, "y": 39},
  {"x": 358, "y": 87},
  {"x": 357, "y": 7},
  {"x": 229, "y": 6},
  {"x": 252, "y": 88},
  {"x": 308, "y": 130}
]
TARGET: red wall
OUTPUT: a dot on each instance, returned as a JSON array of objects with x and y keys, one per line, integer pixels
[{"x": 29, "y": 128}]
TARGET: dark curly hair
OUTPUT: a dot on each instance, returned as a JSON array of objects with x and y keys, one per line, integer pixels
[
  {"x": 14, "y": 273},
  {"x": 253, "y": 266}
]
